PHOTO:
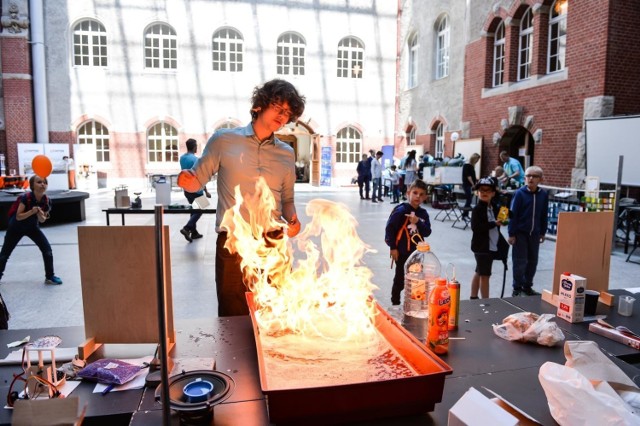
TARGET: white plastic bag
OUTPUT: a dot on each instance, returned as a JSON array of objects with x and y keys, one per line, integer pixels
[
  {"x": 573, "y": 400},
  {"x": 529, "y": 327}
]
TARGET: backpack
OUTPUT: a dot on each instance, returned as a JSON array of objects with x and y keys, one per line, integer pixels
[{"x": 26, "y": 200}]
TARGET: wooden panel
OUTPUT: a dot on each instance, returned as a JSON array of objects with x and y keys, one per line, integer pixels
[
  {"x": 583, "y": 247},
  {"x": 118, "y": 276}
]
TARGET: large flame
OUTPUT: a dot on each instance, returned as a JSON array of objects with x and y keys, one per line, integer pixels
[{"x": 328, "y": 294}]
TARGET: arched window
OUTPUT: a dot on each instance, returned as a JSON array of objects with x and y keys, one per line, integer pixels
[
  {"x": 290, "y": 54},
  {"x": 160, "y": 47},
  {"x": 94, "y": 133},
  {"x": 440, "y": 141},
  {"x": 162, "y": 143},
  {"x": 498, "y": 55},
  {"x": 89, "y": 44},
  {"x": 350, "y": 58},
  {"x": 557, "y": 36},
  {"x": 525, "y": 48},
  {"x": 348, "y": 145},
  {"x": 442, "y": 49},
  {"x": 227, "y": 125},
  {"x": 412, "y": 136},
  {"x": 227, "y": 50},
  {"x": 412, "y": 80}
]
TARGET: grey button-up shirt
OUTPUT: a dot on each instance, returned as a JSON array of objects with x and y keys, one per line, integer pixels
[{"x": 239, "y": 158}]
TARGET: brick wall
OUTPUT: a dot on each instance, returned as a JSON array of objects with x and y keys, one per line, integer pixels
[{"x": 558, "y": 107}]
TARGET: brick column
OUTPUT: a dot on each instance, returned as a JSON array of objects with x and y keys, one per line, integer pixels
[
  {"x": 512, "y": 32},
  {"x": 17, "y": 93}
]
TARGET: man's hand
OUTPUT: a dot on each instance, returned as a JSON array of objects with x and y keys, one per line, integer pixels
[
  {"x": 188, "y": 181},
  {"x": 512, "y": 240},
  {"x": 294, "y": 226}
]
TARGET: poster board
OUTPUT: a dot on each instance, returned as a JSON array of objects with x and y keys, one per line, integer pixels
[
  {"x": 58, "y": 179},
  {"x": 26, "y": 152},
  {"x": 325, "y": 166},
  {"x": 583, "y": 247},
  {"x": 467, "y": 147},
  {"x": 118, "y": 274},
  {"x": 606, "y": 140}
]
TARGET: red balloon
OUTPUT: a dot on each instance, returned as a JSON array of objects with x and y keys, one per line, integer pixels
[{"x": 41, "y": 165}]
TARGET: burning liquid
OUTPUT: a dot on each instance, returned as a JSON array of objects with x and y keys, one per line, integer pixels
[
  {"x": 294, "y": 361},
  {"x": 327, "y": 294}
]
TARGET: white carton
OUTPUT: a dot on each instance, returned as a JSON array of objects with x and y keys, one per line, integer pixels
[{"x": 571, "y": 297}]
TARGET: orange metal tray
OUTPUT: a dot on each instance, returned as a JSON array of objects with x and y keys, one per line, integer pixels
[{"x": 366, "y": 400}]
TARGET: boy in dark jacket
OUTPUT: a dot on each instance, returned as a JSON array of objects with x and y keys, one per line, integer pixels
[
  {"x": 487, "y": 242},
  {"x": 406, "y": 220},
  {"x": 527, "y": 228}
]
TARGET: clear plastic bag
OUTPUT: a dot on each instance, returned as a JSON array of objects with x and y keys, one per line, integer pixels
[{"x": 529, "y": 327}]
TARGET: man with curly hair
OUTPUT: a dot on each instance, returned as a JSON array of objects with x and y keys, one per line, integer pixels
[{"x": 239, "y": 157}]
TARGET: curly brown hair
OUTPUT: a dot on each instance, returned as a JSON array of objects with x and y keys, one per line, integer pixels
[{"x": 277, "y": 91}]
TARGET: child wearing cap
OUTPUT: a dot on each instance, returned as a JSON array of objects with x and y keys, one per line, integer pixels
[{"x": 487, "y": 242}]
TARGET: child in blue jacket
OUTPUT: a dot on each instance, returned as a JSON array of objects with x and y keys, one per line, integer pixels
[
  {"x": 527, "y": 228},
  {"x": 406, "y": 220}
]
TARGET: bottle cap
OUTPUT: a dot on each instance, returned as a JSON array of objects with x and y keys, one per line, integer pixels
[
  {"x": 423, "y": 246},
  {"x": 441, "y": 281}
]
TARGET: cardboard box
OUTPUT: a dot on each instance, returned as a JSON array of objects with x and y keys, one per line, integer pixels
[
  {"x": 571, "y": 297},
  {"x": 615, "y": 335},
  {"x": 476, "y": 409}
]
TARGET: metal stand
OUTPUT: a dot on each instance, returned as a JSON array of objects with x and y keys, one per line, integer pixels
[{"x": 162, "y": 321}]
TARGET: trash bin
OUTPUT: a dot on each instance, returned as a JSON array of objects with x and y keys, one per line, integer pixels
[
  {"x": 163, "y": 191},
  {"x": 102, "y": 179}
]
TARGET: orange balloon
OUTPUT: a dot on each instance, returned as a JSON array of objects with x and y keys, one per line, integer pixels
[{"x": 41, "y": 165}]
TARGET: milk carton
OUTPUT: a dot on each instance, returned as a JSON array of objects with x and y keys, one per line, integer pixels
[{"x": 571, "y": 297}]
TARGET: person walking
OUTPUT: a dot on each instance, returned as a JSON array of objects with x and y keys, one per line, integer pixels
[
  {"x": 487, "y": 242},
  {"x": 71, "y": 171},
  {"x": 364, "y": 176},
  {"x": 405, "y": 221},
  {"x": 527, "y": 229},
  {"x": 468, "y": 182},
  {"x": 187, "y": 161},
  {"x": 33, "y": 209},
  {"x": 411, "y": 169},
  {"x": 239, "y": 157},
  {"x": 376, "y": 178}
]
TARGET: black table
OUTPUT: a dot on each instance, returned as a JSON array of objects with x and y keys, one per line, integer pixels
[
  {"x": 129, "y": 210},
  {"x": 67, "y": 206},
  {"x": 480, "y": 359}
]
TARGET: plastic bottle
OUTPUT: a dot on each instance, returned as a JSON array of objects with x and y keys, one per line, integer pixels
[
  {"x": 420, "y": 272},
  {"x": 454, "y": 310},
  {"x": 439, "y": 304}
]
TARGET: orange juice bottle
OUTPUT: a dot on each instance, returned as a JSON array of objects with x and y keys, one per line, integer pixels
[{"x": 439, "y": 304}]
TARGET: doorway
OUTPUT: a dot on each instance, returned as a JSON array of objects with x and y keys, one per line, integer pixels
[{"x": 518, "y": 142}]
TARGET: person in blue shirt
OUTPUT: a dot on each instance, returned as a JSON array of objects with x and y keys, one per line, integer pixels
[
  {"x": 187, "y": 161},
  {"x": 527, "y": 229},
  {"x": 513, "y": 169}
]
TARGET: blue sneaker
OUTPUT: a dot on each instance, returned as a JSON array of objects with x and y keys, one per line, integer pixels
[{"x": 53, "y": 280}]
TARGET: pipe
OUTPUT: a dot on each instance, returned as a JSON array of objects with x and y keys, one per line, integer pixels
[{"x": 36, "y": 17}]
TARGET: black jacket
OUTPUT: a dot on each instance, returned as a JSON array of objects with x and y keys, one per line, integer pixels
[{"x": 481, "y": 226}]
